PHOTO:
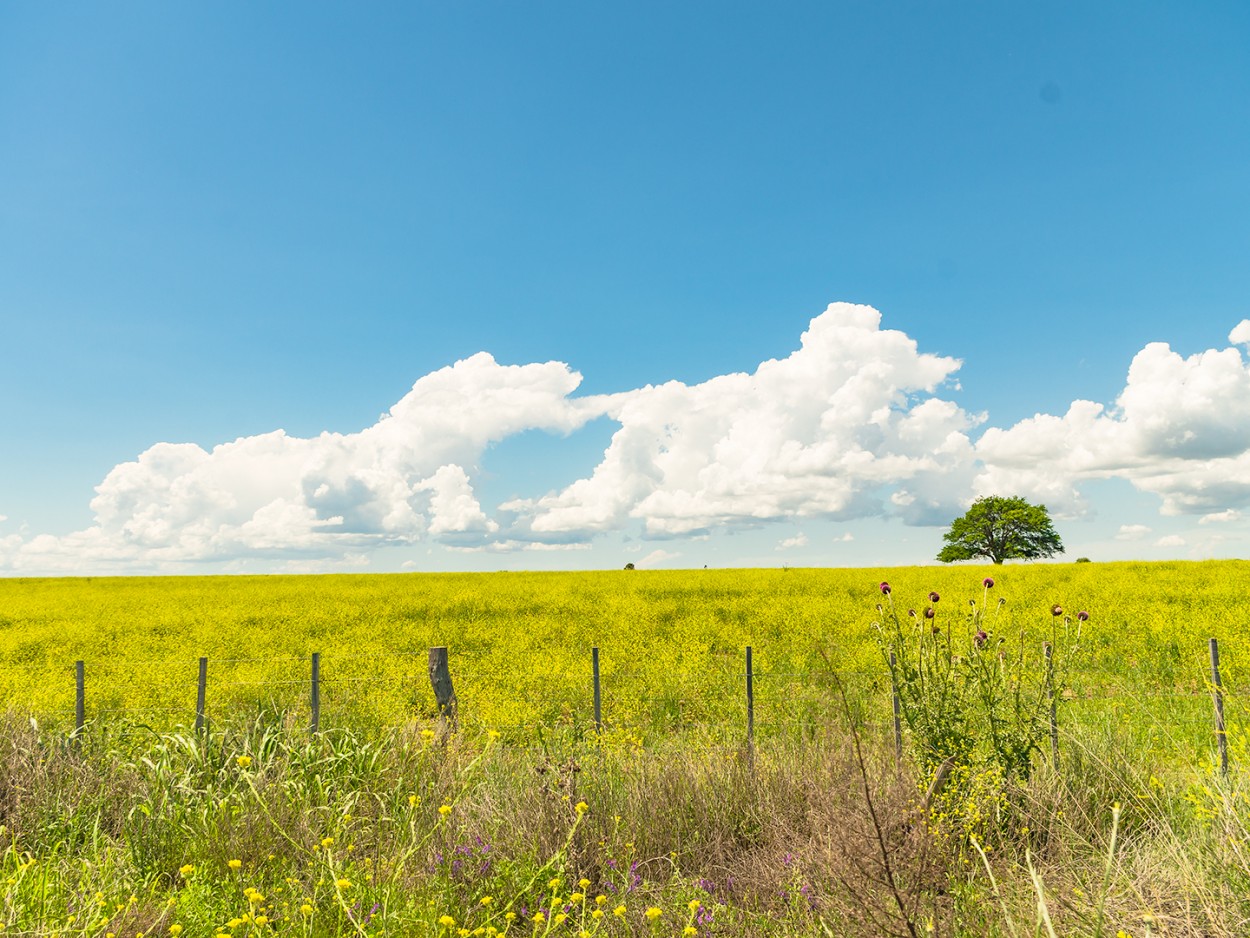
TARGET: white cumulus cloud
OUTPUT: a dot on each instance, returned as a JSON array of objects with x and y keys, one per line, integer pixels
[
  {"x": 799, "y": 540},
  {"x": 1132, "y": 532},
  {"x": 1170, "y": 540}
]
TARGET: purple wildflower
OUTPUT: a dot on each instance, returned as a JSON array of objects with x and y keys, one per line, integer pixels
[
  {"x": 885, "y": 588},
  {"x": 1082, "y": 615},
  {"x": 988, "y": 582},
  {"x": 980, "y": 638}
]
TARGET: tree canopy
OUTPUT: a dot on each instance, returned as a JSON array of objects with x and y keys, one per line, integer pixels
[{"x": 1001, "y": 529}]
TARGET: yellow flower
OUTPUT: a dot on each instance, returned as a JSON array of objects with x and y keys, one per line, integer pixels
[
  {"x": 510, "y": 916},
  {"x": 554, "y": 883},
  {"x": 653, "y": 913},
  {"x": 243, "y": 761},
  {"x": 427, "y": 735},
  {"x": 444, "y": 809},
  {"x": 493, "y": 735},
  {"x": 343, "y": 884},
  {"x": 539, "y": 918},
  {"x": 446, "y": 921},
  {"x": 327, "y": 841},
  {"x": 583, "y": 882},
  {"x": 577, "y": 897},
  {"x": 306, "y": 908},
  {"x": 412, "y": 801},
  {"x": 235, "y": 864},
  {"x": 485, "y": 900},
  {"x": 261, "y": 920},
  {"x": 175, "y": 930},
  {"x": 693, "y": 905},
  {"x": 601, "y": 900},
  {"x": 597, "y": 914},
  {"x": 619, "y": 911},
  {"x": 581, "y": 807},
  {"x": 689, "y": 930},
  {"x": 186, "y": 870}
]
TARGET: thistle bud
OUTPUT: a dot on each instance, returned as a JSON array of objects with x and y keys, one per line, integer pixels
[
  {"x": 934, "y": 597},
  {"x": 1082, "y": 615},
  {"x": 1056, "y": 610},
  {"x": 929, "y": 612},
  {"x": 980, "y": 638},
  {"x": 885, "y": 589},
  {"x": 988, "y": 582}
]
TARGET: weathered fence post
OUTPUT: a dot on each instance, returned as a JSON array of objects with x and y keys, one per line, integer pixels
[
  {"x": 1050, "y": 697},
  {"x": 444, "y": 693},
  {"x": 594, "y": 666},
  {"x": 1217, "y": 690},
  {"x": 201, "y": 690},
  {"x": 316, "y": 692},
  {"x": 898, "y": 710},
  {"x": 80, "y": 698},
  {"x": 750, "y": 709}
]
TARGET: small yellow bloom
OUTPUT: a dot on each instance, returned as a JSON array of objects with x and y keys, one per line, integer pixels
[
  {"x": 653, "y": 913},
  {"x": 235, "y": 864},
  {"x": 243, "y": 761},
  {"x": 689, "y": 930},
  {"x": 583, "y": 882},
  {"x": 493, "y": 735},
  {"x": 412, "y": 801},
  {"x": 446, "y": 921},
  {"x": 486, "y": 900},
  {"x": 175, "y": 930},
  {"x": 186, "y": 870},
  {"x": 427, "y": 735},
  {"x": 510, "y": 916},
  {"x": 581, "y": 807},
  {"x": 539, "y": 918},
  {"x": 559, "y": 919},
  {"x": 597, "y": 914},
  {"x": 306, "y": 908},
  {"x": 693, "y": 905},
  {"x": 444, "y": 809},
  {"x": 619, "y": 911},
  {"x": 261, "y": 920},
  {"x": 554, "y": 883},
  {"x": 343, "y": 884},
  {"x": 327, "y": 841},
  {"x": 601, "y": 900},
  {"x": 577, "y": 897}
]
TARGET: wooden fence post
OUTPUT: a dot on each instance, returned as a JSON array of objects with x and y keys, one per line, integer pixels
[
  {"x": 750, "y": 709},
  {"x": 897, "y": 705},
  {"x": 444, "y": 693},
  {"x": 80, "y": 698},
  {"x": 316, "y": 692},
  {"x": 1050, "y": 697},
  {"x": 1217, "y": 690},
  {"x": 201, "y": 691},
  {"x": 594, "y": 666}
]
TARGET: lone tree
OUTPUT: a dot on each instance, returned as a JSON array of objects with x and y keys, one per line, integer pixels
[{"x": 1001, "y": 529}]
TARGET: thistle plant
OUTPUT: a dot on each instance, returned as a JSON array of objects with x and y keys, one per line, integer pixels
[{"x": 969, "y": 695}]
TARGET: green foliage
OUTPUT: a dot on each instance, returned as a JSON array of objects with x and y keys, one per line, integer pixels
[{"x": 1001, "y": 529}]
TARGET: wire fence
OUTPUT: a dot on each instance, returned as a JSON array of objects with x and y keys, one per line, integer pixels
[{"x": 721, "y": 698}]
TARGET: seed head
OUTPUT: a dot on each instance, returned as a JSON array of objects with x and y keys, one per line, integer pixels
[
  {"x": 934, "y": 597},
  {"x": 1082, "y": 615},
  {"x": 980, "y": 638},
  {"x": 929, "y": 613},
  {"x": 1056, "y": 610},
  {"x": 911, "y": 613}
]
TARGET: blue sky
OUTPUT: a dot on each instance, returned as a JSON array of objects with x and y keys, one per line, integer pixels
[{"x": 222, "y": 221}]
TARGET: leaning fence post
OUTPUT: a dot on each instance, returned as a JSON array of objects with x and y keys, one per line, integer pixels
[
  {"x": 80, "y": 697},
  {"x": 594, "y": 666},
  {"x": 201, "y": 690},
  {"x": 1050, "y": 697},
  {"x": 316, "y": 691},
  {"x": 1217, "y": 690},
  {"x": 444, "y": 693},
  {"x": 894, "y": 700},
  {"x": 750, "y": 708}
]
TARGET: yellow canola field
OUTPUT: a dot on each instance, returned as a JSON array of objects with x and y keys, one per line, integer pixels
[{"x": 671, "y": 642}]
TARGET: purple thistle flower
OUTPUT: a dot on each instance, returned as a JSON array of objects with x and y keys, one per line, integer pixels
[
  {"x": 988, "y": 582},
  {"x": 885, "y": 588},
  {"x": 1082, "y": 615},
  {"x": 980, "y": 638}
]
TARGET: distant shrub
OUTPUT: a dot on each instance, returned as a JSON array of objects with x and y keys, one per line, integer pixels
[
  {"x": 629, "y": 566},
  {"x": 1082, "y": 560}
]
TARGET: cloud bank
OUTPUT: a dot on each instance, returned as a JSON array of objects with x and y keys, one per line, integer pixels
[{"x": 852, "y": 424}]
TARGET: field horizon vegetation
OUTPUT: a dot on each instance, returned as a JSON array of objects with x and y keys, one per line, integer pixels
[{"x": 528, "y": 821}]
